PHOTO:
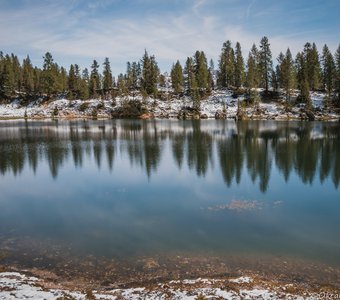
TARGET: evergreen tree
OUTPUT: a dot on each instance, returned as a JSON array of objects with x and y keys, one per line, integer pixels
[
  {"x": 64, "y": 79},
  {"x": 48, "y": 78},
  {"x": 287, "y": 73},
  {"x": 107, "y": 77},
  {"x": 7, "y": 77},
  {"x": 212, "y": 73},
  {"x": 150, "y": 74},
  {"x": 191, "y": 82},
  {"x": 133, "y": 73},
  {"x": 72, "y": 82},
  {"x": 278, "y": 70},
  {"x": 16, "y": 69},
  {"x": 84, "y": 92},
  {"x": 265, "y": 63},
  {"x": 177, "y": 78},
  {"x": 239, "y": 66},
  {"x": 162, "y": 80},
  {"x": 253, "y": 74},
  {"x": 313, "y": 66},
  {"x": 328, "y": 70},
  {"x": 275, "y": 79},
  {"x": 36, "y": 80},
  {"x": 201, "y": 72},
  {"x": 122, "y": 85},
  {"x": 58, "y": 79},
  {"x": 226, "y": 66},
  {"x": 302, "y": 79},
  {"x": 27, "y": 75},
  {"x": 337, "y": 76},
  {"x": 94, "y": 84},
  {"x": 129, "y": 75}
]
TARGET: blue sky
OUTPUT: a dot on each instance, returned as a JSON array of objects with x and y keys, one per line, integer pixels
[{"x": 78, "y": 31}]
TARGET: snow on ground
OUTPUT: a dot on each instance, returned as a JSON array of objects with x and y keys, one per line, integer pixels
[
  {"x": 14, "y": 285},
  {"x": 218, "y": 101},
  {"x": 317, "y": 99}
]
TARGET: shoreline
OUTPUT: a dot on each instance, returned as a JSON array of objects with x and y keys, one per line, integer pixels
[
  {"x": 68, "y": 271},
  {"x": 219, "y": 105},
  {"x": 283, "y": 119},
  {"x": 19, "y": 284}
]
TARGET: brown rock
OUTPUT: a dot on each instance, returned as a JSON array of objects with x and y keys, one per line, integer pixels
[
  {"x": 220, "y": 115},
  {"x": 146, "y": 116}
]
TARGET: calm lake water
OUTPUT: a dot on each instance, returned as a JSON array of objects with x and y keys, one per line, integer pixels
[{"x": 129, "y": 188}]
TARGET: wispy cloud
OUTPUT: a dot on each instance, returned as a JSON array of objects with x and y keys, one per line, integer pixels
[
  {"x": 248, "y": 11},
  {"x": 79, "y": 31}
]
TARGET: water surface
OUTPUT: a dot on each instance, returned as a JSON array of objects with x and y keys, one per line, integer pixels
[{"x": 126, "y": 188}]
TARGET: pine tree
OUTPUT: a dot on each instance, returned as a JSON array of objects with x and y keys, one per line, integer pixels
[
  {"x": 275, "y": 79},
  {"x": 212, "y": 73},
  {"x": 278, "y": 70},
  {"x": 94, "y": 84},
  {"x": 302, "y": 79},
  {"x": 201, "y": 72},
  {"x": 150, "y": 74},
  {"x": 58, "y": 80},
  {"x": 177, "y": 78},
  {"x": 133, "y": 75},
  {"x": 16, "y": 69},
  {"x": 265, "y": 63},
  {"x": 72, "y": 82},
  {"x": 287, "y": 73},
  {"x": 48, "y": 78},
  {"x": 328, "y": 70},
  {"x": 7, "y": 77},
  {"x": 191, "y": 82},
  {"x": 239, "y": 66},
  {"x": 64, "y": 79},
  {"x": 122, "y": 85},
  {"x": 84, "y": 92},
  {"x": 313, "y": 66},
  {"x": 107, "y": 78},
  {"x": 27, "y": 76},
  {"x": 253, "y": 74},
  {"x": 226, "y": 66},
  {"x": 337, "y": 76},
  {"x": 37, "y": 81}
]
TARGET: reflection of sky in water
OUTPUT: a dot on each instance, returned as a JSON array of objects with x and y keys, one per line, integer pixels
[{"x": 146, "y": 187}]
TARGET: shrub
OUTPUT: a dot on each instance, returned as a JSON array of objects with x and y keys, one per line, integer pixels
[{"x": 84, "y": 106}]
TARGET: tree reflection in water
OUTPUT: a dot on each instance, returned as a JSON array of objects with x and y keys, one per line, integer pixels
[{"x": 310, "y": 150}]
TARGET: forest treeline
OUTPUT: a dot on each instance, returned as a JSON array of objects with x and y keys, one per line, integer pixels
[{"x": 308, "y": 71}]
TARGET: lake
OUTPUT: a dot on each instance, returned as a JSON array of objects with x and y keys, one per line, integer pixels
[{"x": 145, "y": 195}]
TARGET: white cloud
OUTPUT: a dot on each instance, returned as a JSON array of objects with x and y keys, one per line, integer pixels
[{"x": 77, "y": 34}]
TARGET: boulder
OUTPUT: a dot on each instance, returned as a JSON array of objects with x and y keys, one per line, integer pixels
[
  {"x": 220, "y": 115},
  {"x": 146, "y": 116},
  {"x": 310, "y": 115}
]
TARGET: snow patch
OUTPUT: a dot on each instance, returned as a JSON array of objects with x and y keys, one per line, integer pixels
[{"x": 244, "y": 279}]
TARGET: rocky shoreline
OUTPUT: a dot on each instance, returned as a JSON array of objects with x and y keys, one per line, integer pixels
[
  {"x": 40, "y": 276},
  {"x": 24, "y": 285},
  {"x": 219, "y": 105}
]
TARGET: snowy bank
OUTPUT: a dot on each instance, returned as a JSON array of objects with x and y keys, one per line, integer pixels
[
  {"x": 218, "y": 102},
  {"x": 15, "y": 285}
]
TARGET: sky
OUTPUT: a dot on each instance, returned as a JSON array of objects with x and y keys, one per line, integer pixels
[{"x": 78, "y": 31}]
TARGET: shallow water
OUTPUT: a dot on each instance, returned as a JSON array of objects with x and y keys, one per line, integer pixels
[{"x": 128, "y": 188}]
